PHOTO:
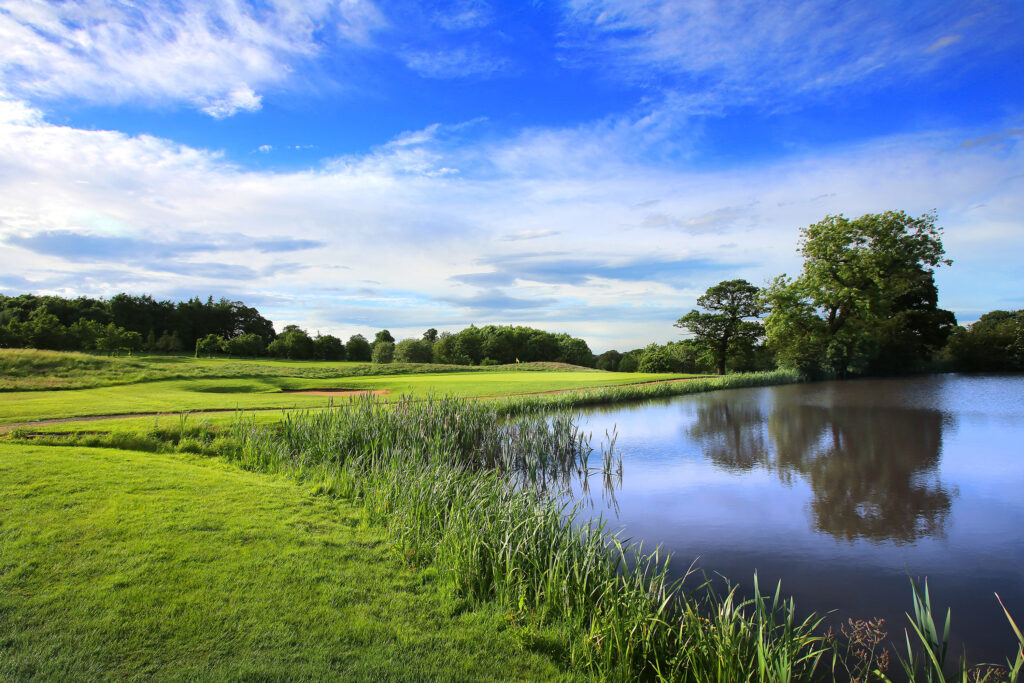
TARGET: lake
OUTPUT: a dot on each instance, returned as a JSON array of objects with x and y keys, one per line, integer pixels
[{"x": 840, "y": 489}]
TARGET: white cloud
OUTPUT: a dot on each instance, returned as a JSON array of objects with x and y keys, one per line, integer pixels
[
  {"x": 403, "y": 217},
  {"x": 211, "y": 55},
  {"x": 239, "y": 99}
]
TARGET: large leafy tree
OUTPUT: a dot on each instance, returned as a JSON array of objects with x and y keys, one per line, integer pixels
[
  {"x": 724, "y": 329},
  {"x": 865, "y": 299},
  {"x": 357, "y": 348}
]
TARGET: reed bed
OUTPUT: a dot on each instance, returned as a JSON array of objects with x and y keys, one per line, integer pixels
[{"x": 471, "y": 489}]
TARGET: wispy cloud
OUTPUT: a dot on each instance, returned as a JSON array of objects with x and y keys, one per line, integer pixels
[
  {"x": 943, "y": 42},
  {"x": 462, "y": 15},
  {"x": 213, "y": 56},
  {"x": 757, "y": 52},
  {"x": 1000, "y": 138},
  {"x": 528, "y": 235},
  {"x": 458, "y": 62},
  {"x": 564, "y": 269}
]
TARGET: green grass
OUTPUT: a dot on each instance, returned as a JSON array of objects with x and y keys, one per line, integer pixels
[
  {"x": 241, "y": 393},
  {"x": 452, "y": 485},
  {"x": 35, "y": 370},
  {"x": 121, "y": 565}
]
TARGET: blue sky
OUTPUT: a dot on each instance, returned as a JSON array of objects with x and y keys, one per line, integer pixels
[{"x": 588, "y": 166}]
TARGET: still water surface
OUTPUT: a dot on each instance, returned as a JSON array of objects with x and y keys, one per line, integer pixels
[{"x": 840, "y": 489}]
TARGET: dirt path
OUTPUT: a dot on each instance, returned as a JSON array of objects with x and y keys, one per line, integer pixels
[{"x": 314, "y": 392}]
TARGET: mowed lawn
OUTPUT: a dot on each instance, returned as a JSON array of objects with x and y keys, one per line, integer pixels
[
  {"x": 271, "y": 392},
  {"x": 122, "y": 565}
]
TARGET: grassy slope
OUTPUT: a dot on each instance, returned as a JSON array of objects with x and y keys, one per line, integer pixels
[
  {"x": 265, "y": 392},
  {"x": 125, "y": 565},
  {"x": 34, "y": 370}
]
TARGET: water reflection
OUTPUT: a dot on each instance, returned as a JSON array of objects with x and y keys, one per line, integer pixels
[
  {"x": 873, "y": 470},
  {"x": 840, "y": 489}
]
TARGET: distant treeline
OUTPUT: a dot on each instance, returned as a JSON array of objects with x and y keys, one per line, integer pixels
[
  {"x": 141, "y": 323},
  {"x": 488, "y": 345},
  {"x": 993, "y": 344},
  {"x": 123, "y": 322},
  {"x": 686, "y": 355}
]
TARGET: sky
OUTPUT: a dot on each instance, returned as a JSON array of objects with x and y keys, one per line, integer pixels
[{"x": 583, "y": 166}]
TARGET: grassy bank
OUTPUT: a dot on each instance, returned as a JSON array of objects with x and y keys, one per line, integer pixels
[
  {"x": 272, "y": 392},
  {"x": 130, "y": 566},
  {"x": 36, "y": 370}
]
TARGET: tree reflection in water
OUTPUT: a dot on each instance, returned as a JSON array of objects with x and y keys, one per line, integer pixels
[{"x": 873, "y": 469}]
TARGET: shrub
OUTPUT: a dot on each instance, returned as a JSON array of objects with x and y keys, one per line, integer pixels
[
  {"x": 328, "y": 347},
  {"x": 383, "y": 352},
  {"x": 245, "y": 345},
  {"x": 293, "y": 343},
  {"x": 357, "y": 348},
  {"x": 656, "y": 359},
  {"x": 413, "y": 351},
  {"x": 609, "y": 360}
]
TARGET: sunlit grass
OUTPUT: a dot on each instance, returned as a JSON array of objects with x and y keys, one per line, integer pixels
[
  {"x": 129, "y": 566},
  {"x": 241, "y": 393},
  {"x": 467, "y": 490},
  {"x": 35, "y": 370}
]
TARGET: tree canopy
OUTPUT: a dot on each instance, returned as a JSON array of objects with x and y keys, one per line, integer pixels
[
  {"x": 865, "y": 299},
  {"x": 724, "y": 330}
]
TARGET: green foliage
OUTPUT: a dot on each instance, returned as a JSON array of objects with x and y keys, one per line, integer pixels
[
  {"x": 725, "y": 332},
  {"x": 609, "y": 361},
  {"x": 383, "y": 352},
  {"x": 995, "y": 343},
  {"x": 574, "y": 351},
  {"x": 244, "y": 345},
  {"x": 655, "y": 358},
  {"x": 469, "y": 344},
  {"x": 115, "y": 339},
  {"x": 414, "y": 351},
  {"x": 447, "y": 350},
  {"x": 210, "y": 345},
  {"x": 171, "y": 343},
  {"x": 357, "y": 348},
  {"x": 293, "y": 343},
  {"x": 328, "y": 347},
  {"x": 684, "y": 356},
  {"x": 50, "y": 322},
  {"x": 630, "y": 360},
  {"x": 865, "y": 300}
]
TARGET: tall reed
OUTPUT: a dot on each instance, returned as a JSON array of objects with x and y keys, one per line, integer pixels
[{"x": 472, "y": 489}]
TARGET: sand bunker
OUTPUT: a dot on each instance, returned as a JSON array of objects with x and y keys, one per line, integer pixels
[{"x": 329, "y": 392}]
